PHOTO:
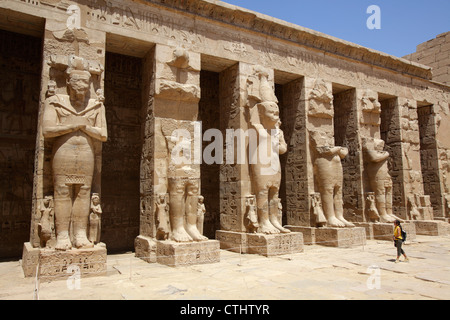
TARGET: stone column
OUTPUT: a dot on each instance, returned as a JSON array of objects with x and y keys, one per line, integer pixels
[
  {"x": 347, "y": 134},
  {"x": 234, "y": 173},
  {"x": 297, "y": 176},
  {"x": 431, "y": 161},
  {"x": 68, "y": 50},
  {"x": 390, "y": 130},
  {"x": 326, "y": 157},
  {"x": 330, "y": 132},
  {"x": 377, "y": 180},
  {"x": 170, "y": 164},
  {"x": 441, "y": 114},
  {"x": 417, "y": 203},
  {"x": 245, "y": 90}
]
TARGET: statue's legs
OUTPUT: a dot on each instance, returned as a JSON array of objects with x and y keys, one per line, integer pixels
[
  {"x": 380, "y": 196},
  {"x": 328, "y": 175},
  {"x": 63, "y": 211},
  {"x": 328, "y": 203},
  {"x": 339, "y": 206},
  {"x": 73, "y": 168},
  {"x": 192, "y": 192},
  {"x": 262, "y": 202},
  {"x": 80, "y": 215},
  {"x": 388, "y": 198},
  {"x": 177, "y": 209},
  {"x": 273, "y": 210}
]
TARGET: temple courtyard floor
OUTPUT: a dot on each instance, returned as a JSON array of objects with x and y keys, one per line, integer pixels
[{"x": 366, "y": 272}]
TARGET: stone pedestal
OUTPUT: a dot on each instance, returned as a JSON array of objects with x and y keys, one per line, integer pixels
[
  {"x": 145, "y": 249},
  {"x": 177, "y": 254},
  {"x": 410, "y": 229},
  {"x": 385, "y": 231},
  {"x": 50, "y": 263},
  {"x": 333, "y": 237},
  {"x": 431, "y": 227},
  {"x": 262, "y": 244}
]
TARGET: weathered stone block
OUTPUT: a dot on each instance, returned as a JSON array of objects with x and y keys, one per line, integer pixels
[
  {"x": 368, "y": 226},
  {"x": 50, "y": 263},
  {"x": 145, "y": 248},
  {"x": 385, "y": 231},
  {"x": 432, "y": 228},
  {"x": 410, "y": 229},
  {"x": 232, "y": 241},
  {"x": 275, "y": 244},
  {"x": 333, "y": 237},
  {"x": 341, "y": 237},
  {"x": 309, "y": 234},
  {"x": 257, "y": 243},
  {"x": 176, "y": 254}
]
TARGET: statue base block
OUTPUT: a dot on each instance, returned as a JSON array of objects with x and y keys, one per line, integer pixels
[
  {"x": 431, "y": 227},
  {"x": 385, "y": 231},
  {"x": 263, "y": 244},
  {"x": 51, "y": 264},
  {"x": 332, "y": 237},
  {"x": 145, "y": 249},
  {"x": 176, "y": 254}
]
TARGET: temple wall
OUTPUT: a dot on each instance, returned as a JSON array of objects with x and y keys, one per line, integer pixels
[{"x": 226, "y": 46}]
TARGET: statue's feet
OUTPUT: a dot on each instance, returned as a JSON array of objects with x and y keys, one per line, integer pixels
[
  {"x": 277, "y": 225},
  {"x": 82, "y": 242},
  {"x": 385, "y": 218},
  {"x": 195, "y": 234},
  {"x": 335, "y": 223},
  {"x": 180, "y": 235},
  {"x": 346, "y": 223},
  {"x": 267, "y": 228},
  {"x": 395, "y": 217},
  {"x": 63, "y": 243}
]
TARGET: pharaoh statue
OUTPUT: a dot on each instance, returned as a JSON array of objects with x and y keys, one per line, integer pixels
[
  {"x": 329, "y": 176},
  {"x": 376, "y": 160},
  {"x": 266, "y": 175},
  {"x": 75, "y": 122}
]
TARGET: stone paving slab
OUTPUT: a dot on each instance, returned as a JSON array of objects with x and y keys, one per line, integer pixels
[{"x": 317, "y": 273}]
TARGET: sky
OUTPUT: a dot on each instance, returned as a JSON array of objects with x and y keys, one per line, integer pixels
[{"x": 404, "y": 24}]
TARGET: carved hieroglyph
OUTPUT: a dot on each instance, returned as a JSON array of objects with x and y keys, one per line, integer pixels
[{"x": 74, "y": 122}]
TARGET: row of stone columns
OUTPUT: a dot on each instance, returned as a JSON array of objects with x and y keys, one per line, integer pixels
[{"x": 331, "y": 137}]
